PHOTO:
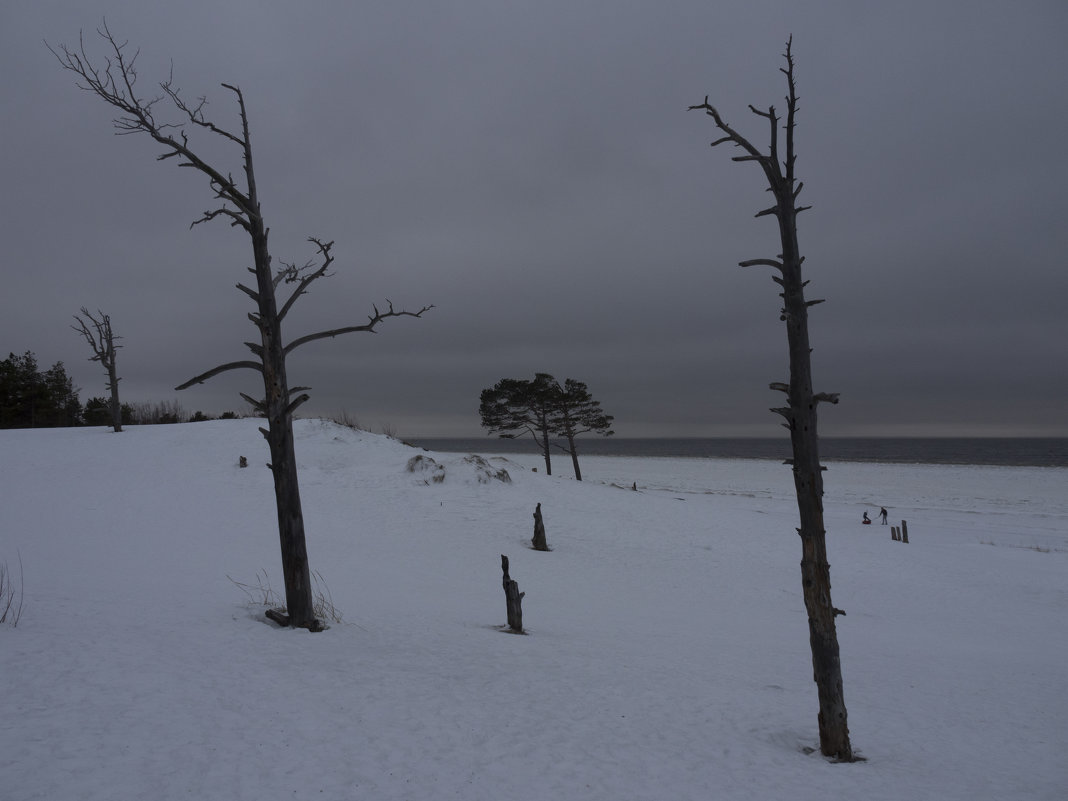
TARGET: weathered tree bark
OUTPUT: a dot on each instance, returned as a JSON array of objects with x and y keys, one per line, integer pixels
[
  {"x": 538, "y": 540},
  {"x": 800, "y": 416},
  {"x": 513, "y": 598},
  {"x": 101, "y": 339},
  {"x": 278, "y": 410}
]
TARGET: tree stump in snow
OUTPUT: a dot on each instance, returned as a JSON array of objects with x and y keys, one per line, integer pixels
[
  {"x": 513, "y": 598},
  {"x": 538, "y": 541}
]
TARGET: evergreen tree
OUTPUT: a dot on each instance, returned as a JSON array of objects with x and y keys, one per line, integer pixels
[
  {"x": 32, "y": 399},
  {"x": 61, "y": 406},
  {"x": 19, "y": 390},
  {"x": 514, "y": 407},
  {"x": 576, "y": 412},
  {"x": 543, "y": 409},
  {"x": 97, "y": 412}
]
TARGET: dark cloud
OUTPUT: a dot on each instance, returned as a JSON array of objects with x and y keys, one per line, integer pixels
[{"x": 532, "y": 171}]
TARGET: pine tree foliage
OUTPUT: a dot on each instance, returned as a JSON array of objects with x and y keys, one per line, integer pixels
[
  {"x": 578, "y": 413},
  {"x": 543, "y": 409},
  {"x": 514, "y": 408},
  {"x": 98, "y": 412},
  {"x": 30, "y": 398}
]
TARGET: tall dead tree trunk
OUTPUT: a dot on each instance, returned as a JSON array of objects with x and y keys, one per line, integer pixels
[
  {"x": 101, "y": 339},
  {"x": 800, "y": 413},
  {"x": 114, "y": 84}
]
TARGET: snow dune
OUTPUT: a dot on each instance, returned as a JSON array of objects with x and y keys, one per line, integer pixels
[{"x": 666, "y": 655}]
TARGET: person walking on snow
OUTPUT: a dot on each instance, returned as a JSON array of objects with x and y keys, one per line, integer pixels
[{"x": 882, "y": 514}]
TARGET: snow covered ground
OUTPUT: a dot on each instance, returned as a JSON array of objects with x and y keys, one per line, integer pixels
[{"x": 667, "y": 649}]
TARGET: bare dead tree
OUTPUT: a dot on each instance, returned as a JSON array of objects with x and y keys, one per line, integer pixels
[
  {"x": 800, "y": 411},
  {"x": 113, "y": 81},
  {"x": 101, "y": 339}
]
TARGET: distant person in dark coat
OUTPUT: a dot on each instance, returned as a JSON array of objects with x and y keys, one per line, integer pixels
[{"x": 882, "y": 514}]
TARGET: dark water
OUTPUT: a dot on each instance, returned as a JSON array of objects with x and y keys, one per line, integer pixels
[{"x": 1037, "y": 452}]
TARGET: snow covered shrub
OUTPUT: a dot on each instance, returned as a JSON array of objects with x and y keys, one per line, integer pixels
[
  {"x": 424, "y": 464},
  {"x": 485, "y": 472}
]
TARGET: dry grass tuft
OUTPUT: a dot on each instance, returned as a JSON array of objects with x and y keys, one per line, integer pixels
[
  {"x": 10, "y": 598},
  {"x": 262, "y": 594}
]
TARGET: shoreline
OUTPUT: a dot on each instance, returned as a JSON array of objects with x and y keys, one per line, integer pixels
[{"x": 990, "y": 451}]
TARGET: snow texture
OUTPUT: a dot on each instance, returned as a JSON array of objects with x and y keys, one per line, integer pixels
[{"x": 667, "y": 652}]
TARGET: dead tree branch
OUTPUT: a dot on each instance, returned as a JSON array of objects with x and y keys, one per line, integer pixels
[
  {"x": 101, "y": 339},
  {"x": 114, "y": 84},
  {"x": 373, "y": 321},
  {"x": 222, "y": 368},
  {"x": 303, "y": 277}
]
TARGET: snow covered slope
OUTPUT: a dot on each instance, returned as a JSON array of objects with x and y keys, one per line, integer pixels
[{"x": 667, "y": 650}]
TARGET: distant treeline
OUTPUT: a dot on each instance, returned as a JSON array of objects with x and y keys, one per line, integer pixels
[{"x": 32, "y": 398}]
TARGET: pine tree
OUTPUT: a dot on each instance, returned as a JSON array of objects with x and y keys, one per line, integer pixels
[
  {"x": 514, "y": 407},
  {"x": 543, "y": 409},
  {"x": 576, "y": 412},
  {"x": 61, "y": 404},
  {"x": 32, "y": 399}
]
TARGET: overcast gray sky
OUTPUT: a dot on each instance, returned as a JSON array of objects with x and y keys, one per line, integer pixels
[{"x": 532, "y": 171}]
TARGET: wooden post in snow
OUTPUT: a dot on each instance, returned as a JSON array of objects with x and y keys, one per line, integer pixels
[
  {"x": 904, "y": 532},
  {"x": 538, "y": 541},
  {"x": 513, "y": 598}
]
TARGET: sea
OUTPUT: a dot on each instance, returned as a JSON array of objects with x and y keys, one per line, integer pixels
[{"x": 1007, "y": 451}]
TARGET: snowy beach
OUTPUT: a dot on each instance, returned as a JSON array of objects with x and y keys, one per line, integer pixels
[{"x": 666, "y": 654}]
